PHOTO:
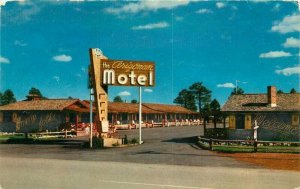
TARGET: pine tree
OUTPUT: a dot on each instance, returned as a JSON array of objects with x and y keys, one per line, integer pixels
[{"x": 7, "y": 97}]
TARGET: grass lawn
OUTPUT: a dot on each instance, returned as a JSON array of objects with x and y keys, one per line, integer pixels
[
  {"x": 6, "y": 137},
  {"x": 20, "y": 139},
  {"x": 267, "y": 149}
]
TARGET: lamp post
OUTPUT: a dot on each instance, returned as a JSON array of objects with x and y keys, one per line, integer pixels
[{"x": 140, "y": 115}]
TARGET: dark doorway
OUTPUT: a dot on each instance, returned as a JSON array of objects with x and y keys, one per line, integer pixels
[{"x": 240, "y": 121}]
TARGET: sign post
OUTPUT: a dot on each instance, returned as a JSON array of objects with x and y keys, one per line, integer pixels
[
  {"x": 107, "y": 72},
  {"x": 91, "y": 119},
  {"x": 100, "y": 92}
]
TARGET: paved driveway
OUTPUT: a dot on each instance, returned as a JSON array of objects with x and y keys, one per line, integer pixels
[
  {"x": 173, "y": 146},
  {"x": 167, "y": 159}
]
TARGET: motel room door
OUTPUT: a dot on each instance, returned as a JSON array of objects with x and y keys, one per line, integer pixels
[{"x": 240, "y": 121}]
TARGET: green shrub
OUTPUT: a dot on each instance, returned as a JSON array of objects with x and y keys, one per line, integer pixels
[
  {"x": 216, "y": 133},
  {"x": 97, "y": 142},
  {"x": 134, "y": 141},
  {"x": 65, "y": 126},
  {"x": 125, "y": 140},
  {"x": 116, "y": 144}
]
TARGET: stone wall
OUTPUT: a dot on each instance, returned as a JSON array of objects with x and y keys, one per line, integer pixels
[
  {"x": 275, "y": 126},
  {"x": 33, "y": 121}
]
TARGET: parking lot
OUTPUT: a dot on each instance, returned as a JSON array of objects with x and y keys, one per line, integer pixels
[
  {"x": 167, "y": 159},
  {"x": 168, "y": 145}
]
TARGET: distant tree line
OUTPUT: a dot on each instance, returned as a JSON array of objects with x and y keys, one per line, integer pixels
[
  {"x": 292, "y": 91},
  {"x": 198, "y": 97},
  {"x": 8, "y": 96},
  {"x": 119, "y": 99}
]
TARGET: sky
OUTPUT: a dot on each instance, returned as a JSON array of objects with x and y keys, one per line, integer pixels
[{"x": 45, "y": 44}]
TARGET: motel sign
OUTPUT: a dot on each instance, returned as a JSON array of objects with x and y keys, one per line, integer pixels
[
  {"x": 127, "y": 73},
  {"x": 106, "y": 72}
]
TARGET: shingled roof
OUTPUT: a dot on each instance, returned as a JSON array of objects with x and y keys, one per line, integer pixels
[
  {"x": 259, "y": 102},
  {"x": 148, "y": 108},
  {"x": 45, "y": 104},
  {"x": 83, "y": 106}
]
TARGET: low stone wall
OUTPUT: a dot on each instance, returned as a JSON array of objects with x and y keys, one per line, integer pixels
[
  {"x": 263, "y": 134},
  {"x": 33, "y": 122},
  {"x": 273, "y": 126},
  {"x": 239, "y": 134}
]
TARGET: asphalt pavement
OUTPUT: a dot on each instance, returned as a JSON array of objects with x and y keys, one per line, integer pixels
[
  {"x": 168, "y": 158},
  {"x": 172, "y": 146}
]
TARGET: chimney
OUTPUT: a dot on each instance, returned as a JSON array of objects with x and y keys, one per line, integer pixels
[{"x": 272, "y": 96}]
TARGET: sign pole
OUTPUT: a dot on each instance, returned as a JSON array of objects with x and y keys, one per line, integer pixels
[
  {"x": 91, "y": 119},
  {"x": 140, "y": 114}
]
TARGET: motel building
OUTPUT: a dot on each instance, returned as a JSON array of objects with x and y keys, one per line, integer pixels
[{"x": 39, "y": 115}]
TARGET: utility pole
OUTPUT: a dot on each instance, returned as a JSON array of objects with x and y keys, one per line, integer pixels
[{"x": 236, "y": 86}]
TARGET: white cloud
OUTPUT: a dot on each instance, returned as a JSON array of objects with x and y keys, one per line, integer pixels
[
  {"x": 148, "y": 90},
  {"x": 292, "y": 42},
  {"x": 124, "y": 93},
  {"x": 83, "y": 69},
  {"x": 62, "y": 58},
  {"x": 289, "y": 71},
  {"x": 220, "y": 5},
  {"x": 151, "y": 26},
  {"x": 20, "y": 43},
  {"x": 3, "y": 2},
  {"x": 288, "y": 24},
  {"x": 178, "y": 18},
  {"x": 28, "y": 10},
  {"x": 226, "y": 85},
  {"x": 275, "y": 54},
  {"x": 56, "y": 78},
  {"x": 146, "y": 6},
  {"x": 233, "y": 7},
  {"x": 4, "y": 60},
  {"x": 204, "y": 11},
  {"x": 276, "y": 7}
]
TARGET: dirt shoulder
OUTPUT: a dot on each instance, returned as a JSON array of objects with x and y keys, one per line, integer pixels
[{"x": 281, "y": 161}]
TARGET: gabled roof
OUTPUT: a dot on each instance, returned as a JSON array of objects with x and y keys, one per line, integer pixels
[
  {"x": 45, "y": 104},
  {"x": 259, "y": 102},
  {"x": 83, "y": 106},
  {"x": 148, "y": 108}
]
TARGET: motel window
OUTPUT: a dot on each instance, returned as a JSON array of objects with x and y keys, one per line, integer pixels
[
  {"x": 295, "y": 119},
  {"x": 110, "y": 117},
  {"x": 1, "y": 117},
  {"x": 85, "y": 118},
  {"x": 124, "y": 116},
  {"x": 168, "y": 116},
  {"x": 150, "y": 117},
  {"x": 7, "y": 117}
]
